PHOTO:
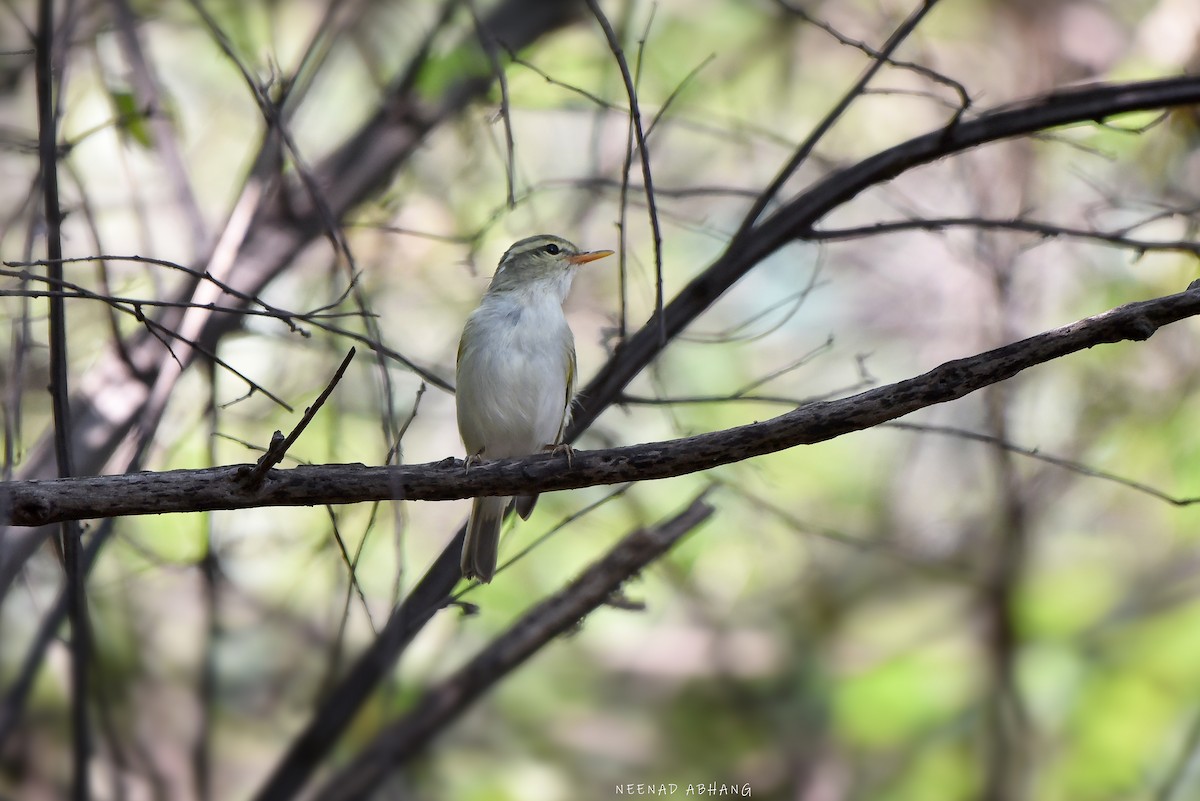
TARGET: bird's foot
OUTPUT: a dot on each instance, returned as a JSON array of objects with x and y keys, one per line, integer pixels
[
  {"x": 472, "y": 459},
  {"x": 561, "y": 449}
]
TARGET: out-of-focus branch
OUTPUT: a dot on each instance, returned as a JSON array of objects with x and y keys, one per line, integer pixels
[
  {"x": 41, "y": 502},
  {"x": 17, "y": 693},
  {"x": 801, "y": 154},
  {"x": 1121, "y": 238},
  {"x": 639, "y": 137},
  {"x": 74, "y": 578},
  {"x": 164, "y": 141},
  {"x": 791, "y": 221},
  {"x": 338, "y": 708},
  {"x": 284, "y": 226},
  {"x": 395, "y": 744},
  {"x": 964, "y": 99},
  {"x": 1040, "y": 455},
  {"x": 112, "y": 398},
  {"x": 795, "y": 219}
]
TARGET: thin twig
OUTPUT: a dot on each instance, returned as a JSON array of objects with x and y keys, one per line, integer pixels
[
  {"x": 585, "y": 94},
  {"x": 676, "y": 92},
  {"x": 562, "y": 524},
  {"x": 806, "y": 147},
  {"x": 488, "y": 44},
  {"x": 964, "y": 99},
  {"x": 274, "y": 455},
  {"x": 1119, "y": 238},
  {"x": 635, "y": 121},
  {"x": 60, "y": 394},
  {"x": 315, "y": 317},
  {"x": 1035, "y": 453},
  {"x": 210, "y": 577}
]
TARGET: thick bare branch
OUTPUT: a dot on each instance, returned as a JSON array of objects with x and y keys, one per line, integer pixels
[{"x": 40, "y": 502}]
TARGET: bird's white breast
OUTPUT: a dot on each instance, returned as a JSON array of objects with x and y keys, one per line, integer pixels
[{"x": 513, "y": 373}]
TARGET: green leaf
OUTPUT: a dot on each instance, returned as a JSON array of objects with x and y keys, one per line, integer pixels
[{"x": 131, "y": 120}]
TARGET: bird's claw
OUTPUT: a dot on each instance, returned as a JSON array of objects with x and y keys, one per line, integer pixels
[{"x": 562, "y": 449}]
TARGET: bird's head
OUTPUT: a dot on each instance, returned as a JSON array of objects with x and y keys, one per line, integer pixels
[{"x": 541, "y": 261}]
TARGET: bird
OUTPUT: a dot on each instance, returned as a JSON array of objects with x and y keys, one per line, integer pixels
[{"x": 515, "y": 375}]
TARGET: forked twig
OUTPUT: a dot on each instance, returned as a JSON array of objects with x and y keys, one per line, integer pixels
[
  {"x": 280, "y": 444},
  {"x": 635, "y": 121}
]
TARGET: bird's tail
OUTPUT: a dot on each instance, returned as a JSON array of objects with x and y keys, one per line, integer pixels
[{"x": 483, "y": 538}]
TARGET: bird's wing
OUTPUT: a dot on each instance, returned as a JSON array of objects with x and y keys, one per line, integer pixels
[
  {"x": 462, "y": 340},
  {"x": 524, "y": 503},
  {"x": 466, "y": 399},
  {"x": 570, "y": 392}
]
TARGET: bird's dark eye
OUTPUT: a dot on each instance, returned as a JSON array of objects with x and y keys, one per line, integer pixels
[{"x": 552, "y": 249}]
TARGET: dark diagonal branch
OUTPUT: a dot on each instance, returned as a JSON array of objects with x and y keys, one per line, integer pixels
[
  {"x": 335, "y": 712},
  {"x": 806, "y": 147},
  {"x": 396, "y": 744},
  {"x": 41, "y": 502},
  {"x": 795, "y": 220}
]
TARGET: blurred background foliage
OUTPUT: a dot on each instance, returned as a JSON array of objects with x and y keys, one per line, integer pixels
[{"x": 898, "y": 615}]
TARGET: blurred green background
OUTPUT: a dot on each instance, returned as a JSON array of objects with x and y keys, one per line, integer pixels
[{"x": 897, "y": 615}]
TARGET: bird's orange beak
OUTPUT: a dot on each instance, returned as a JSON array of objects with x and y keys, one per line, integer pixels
[{"x": 584, "y": 258}]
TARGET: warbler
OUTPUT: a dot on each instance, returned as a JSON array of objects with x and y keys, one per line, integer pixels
[{"x": 516, "y": 374}]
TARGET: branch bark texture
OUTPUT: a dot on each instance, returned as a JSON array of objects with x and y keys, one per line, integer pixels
[{"x": 32, "y": 503}]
